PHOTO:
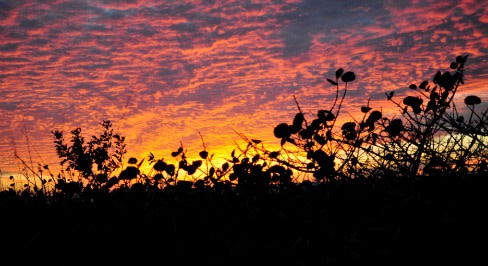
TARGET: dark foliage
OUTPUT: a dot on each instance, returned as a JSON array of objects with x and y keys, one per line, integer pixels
[{"x": 375, "y": 190}]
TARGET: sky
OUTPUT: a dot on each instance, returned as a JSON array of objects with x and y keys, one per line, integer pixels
[{"x": 171, "y": 72}]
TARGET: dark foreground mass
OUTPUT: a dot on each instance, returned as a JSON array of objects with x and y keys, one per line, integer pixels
[{"x": 355, "y": 222}]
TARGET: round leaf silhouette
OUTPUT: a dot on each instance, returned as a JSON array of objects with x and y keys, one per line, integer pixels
[
  {"x": 395, "y": 127},
  {"x": 160, "y": 165},
  {"x": 203, "y": 154},
  {"x": 412, "y": 101},
  {"x": 282, "y": 131},
  {"x": 472, "y": 100},
  {"x": 348, "y": 76},
  {"x": 460, "y": 59},
  {"x": 365, "y": 109},
  {"x": 348, "y": 126},
  {"x": 374, "y": 116}
]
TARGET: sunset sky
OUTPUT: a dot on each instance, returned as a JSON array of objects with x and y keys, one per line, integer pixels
[{"x": 165, "y": 71}]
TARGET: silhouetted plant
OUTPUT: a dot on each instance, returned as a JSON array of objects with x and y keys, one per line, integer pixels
[
  {"x": 435, "y": 138},
  {"x": 321, "y": 149},
  {"x": 90, "y": 164},
  {"x": 252, "y": 168},
  {"x": 427, "y": 138}
]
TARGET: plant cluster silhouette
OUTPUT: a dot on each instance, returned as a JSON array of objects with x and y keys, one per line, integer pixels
[
  {"x": 370, "y": 190},
  {"x": 430, "y": 136}
]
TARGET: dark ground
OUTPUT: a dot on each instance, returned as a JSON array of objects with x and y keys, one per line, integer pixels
[{"x": 433, "y": 221}]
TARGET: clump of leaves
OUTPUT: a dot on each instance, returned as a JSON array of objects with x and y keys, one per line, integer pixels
[
  {"x": 89, "y": 162},
  {"x": 430, "y": 134}
]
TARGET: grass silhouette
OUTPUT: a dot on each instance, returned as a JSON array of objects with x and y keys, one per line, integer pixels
[{"x": 401, "y": 190}]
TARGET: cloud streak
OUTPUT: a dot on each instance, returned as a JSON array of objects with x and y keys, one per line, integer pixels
[{"x": 163, "y": 72}]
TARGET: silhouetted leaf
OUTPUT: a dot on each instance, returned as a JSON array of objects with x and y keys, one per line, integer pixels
[
  {"x": 413, "y": 86},
  {"x": 274, "y": 154},
  {"x": 170, "y": 169},
  {"x": 454, "y": 65},
  {"x": 332, "y": 82},
  {"x": 437, "y": 77},
  {"x": 460, "y": 59},
  {"x": 297, "y": 123},
  {"x": 158, "y": 177},
  {"x": 374, "y": 116},
  {"x": 423, "y": 84},
  {"x": 203, "y": 154},
  {"x": 160, "y": 165},
  {"x": 394, "y": 128},
  {"x": 191, "y": 169},
  {"x": 349, "y": 130},
  {"x": 339, "y": 72},
  {"x": 233, "y": 176},
  {"x": 132, "y": 160},
  {"x": 325, "y": 115},
  {"x": 282, "y": 131},
  {"x": 389, "y": 96},
  {"x": 412, "y": 101},
  {"x": 447, "y": 81},
  {"x": 225, "y": 167},
  {"x": 365, "y": 109},
  {"x": 197, "y": 163},
  {"x": 129, "y": 173},
  {"x": 472, "y": 100},
  {"x": 348, "y": 126},
  {"x": 256, "y": 141},
  {"x": 348, "y": 76}
]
